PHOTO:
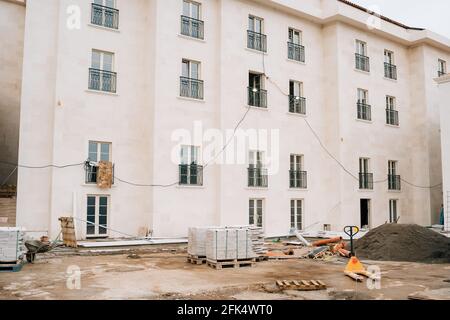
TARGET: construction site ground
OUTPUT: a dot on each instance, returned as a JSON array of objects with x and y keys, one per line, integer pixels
[{"x": 162, "y": 272}]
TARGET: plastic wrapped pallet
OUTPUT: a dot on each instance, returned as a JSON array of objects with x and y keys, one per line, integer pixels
[
  {"x": 229, "y": 244},
  {"x": 12, "y": 245},
  {"x": 197, "y": 240}
]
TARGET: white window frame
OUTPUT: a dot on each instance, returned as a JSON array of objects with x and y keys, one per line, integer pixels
[
  {"x": 361, "y": 47},
  {"x": 389, "y": 57},
  {"x": 298, "y": 211},
  {"x": 392, "y": 167},
  {"x": 298, "y": 86},
  {"x": 255, "y": 214},
  {"x": 192, "y": 155},
  {"x": 391, "y": 103},
  {"x": 298, "y": 163},
  {"x": 192, "y": 5},
  {"x": 442, "y": 65},
  {"x": 362, "y": 96},
  {"x": 99, "y": 152},
  {"x": 102, "y": 60},
  {"x": 189, "y": 64},
  {"x": 252, "y": 24},
  {"x": 292, "y": 32},
  {"x": 393, "y": 210},
  {"x": 256, "y": 159},
  {"x": 97, "y": 233},
  {"x": 364, "y": 165},
  {"x": 104, "y": 3}
]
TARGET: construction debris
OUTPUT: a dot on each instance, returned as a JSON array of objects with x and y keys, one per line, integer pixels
[
  {"x": 301, "y": 285},
  {"x": 12, "y": 245},
  {"x": 404, "y": 242},
  {"x": 105, "y": 175}
]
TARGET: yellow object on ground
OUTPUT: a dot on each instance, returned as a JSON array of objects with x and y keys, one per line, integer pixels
[{"x": 355, "y": 266}]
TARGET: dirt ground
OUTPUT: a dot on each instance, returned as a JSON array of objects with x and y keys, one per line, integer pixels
[{"x": 167, "y": 275}]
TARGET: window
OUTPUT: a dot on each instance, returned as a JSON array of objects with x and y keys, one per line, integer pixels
[
  {"x": 394, "y": 181},
  {"x": 97, "y": 216},
  {"x": 393, "y": 213},
  {"x": 297, "y": 103},
  {"x": 364, "y": 110},
  {"x": 256, "y": 212},
  {"x": 98, "y": 151},
  {"x": 191, "y": 173},
  {"x": 390, "y": 69},
  {"x": 362, "y": 61},
  {"x": 365, "y": 177},
  {"x": 297, "y": 214},
  {"x": 101, "y": 75},
  {"x": 191, "y": 25},
  {"x": 295, "y": 49},
  {"x": 442, "y": 67},
  {"x": 190, "y": 84},
  {"x": 391, "y": 113},
  {"x": 104, "y": 14},
  {"x": 297, "y": 175},
  {"x": 257, "y": 173},
  {"x": 257, "y": 96},
  {"x": 256, "y": 40}
]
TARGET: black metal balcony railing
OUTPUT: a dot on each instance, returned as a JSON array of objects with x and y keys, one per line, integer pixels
[
  {"x": 296, "y": 52},
  {"x": 191, "y": 88},
  {"x": 102, "y": 80},
  {"x": 362, "y": 62},
  {"x": 366, "y": 181},
  {"x": 91, "y": 173},
  {"x": 298, "y": 179},
  {"x": 257, "y": 177},
  {"x": 297, "y": 104},
  {"x": 394, "y": 182},
  {"x": 191, "y": 174},
  {"x": 440, "y": 73},
  {"x": 392, "y": 117},
  {"x": 364, "y": 111},
  {"x": 192, "y": 27},
  {"x": 256, "y": 41},
  {"x": 390, "y": 71},
  {"x": 105, "y": 16},
  {"x": 257, "y": 97}
]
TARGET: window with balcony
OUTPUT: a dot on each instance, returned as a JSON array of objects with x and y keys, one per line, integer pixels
[
  {"x": 256, "y": 211},
  {"x": 442, "y": 67},
  {"x": 391, "y": 113},
  {"x": 394, "y": 180},
  {"x": 364, "y": 110},
  {"x": 104, "y": 13},
  {"x": 191, "y": 173},
  {"x": 297, "y": 174},
  {"x": 257, "y": 173},
  {"x": 297, "y": 214},
  {"x": 361, "y": 59},
  {"x": 101, "y": 74},
  {"x": 297, "y": 103},
  {"x": 257, "y": 96},
  {"x": 98, "y": 151},
  {"x": 191, "y": 23},
  {"x": 393, "y": 214},
  {"x": 256, "y": 39},
  {"x": 296, "y": 51},
  {"x": 390, "y": 69},
  {"x": 190, "y": 84},
  {"x": 365, "y": 177},
  {"x": 97, "y": 209}
]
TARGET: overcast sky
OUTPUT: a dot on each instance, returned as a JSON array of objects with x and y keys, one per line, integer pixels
[{"x": 430, "y": 14}]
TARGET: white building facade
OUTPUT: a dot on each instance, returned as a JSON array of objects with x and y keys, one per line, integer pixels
[{"x": 348, "y": 102}]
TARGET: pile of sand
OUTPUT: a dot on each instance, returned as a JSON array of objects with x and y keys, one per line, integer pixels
[{"x": 404, "y": 242}]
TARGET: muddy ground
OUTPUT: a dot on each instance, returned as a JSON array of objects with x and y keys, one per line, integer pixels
[{"x": 167, "y": 275}]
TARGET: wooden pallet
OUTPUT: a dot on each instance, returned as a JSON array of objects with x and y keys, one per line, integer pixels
[
  {"x": 262, "y": 258},
  {"x": 10, "y": 267},
  {"x": 236, "y": 263},
  {"x": 192, "y": 259},
  {"x": 302, "y": 285}
]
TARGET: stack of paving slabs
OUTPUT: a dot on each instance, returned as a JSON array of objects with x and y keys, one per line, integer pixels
[
  {"x": 197, "y": 241},
  {"x": 257, "y": 237},
  {"x": 229, "y": 244},
  {"x": 104, "y": 175},
  {"x": 12, "y": 245}
]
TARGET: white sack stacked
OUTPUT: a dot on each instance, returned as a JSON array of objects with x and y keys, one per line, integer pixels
[
  {"x": 229, "y": 244},
  {"x": 12, "y": 245}
]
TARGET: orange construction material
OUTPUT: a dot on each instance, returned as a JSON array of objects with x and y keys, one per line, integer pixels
[
  {"x": 336, "y": 247},
  {"x": 355, "y": 266},
  {"x": 343, "y": 252},
  {"x": 326, "y": 241}
]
